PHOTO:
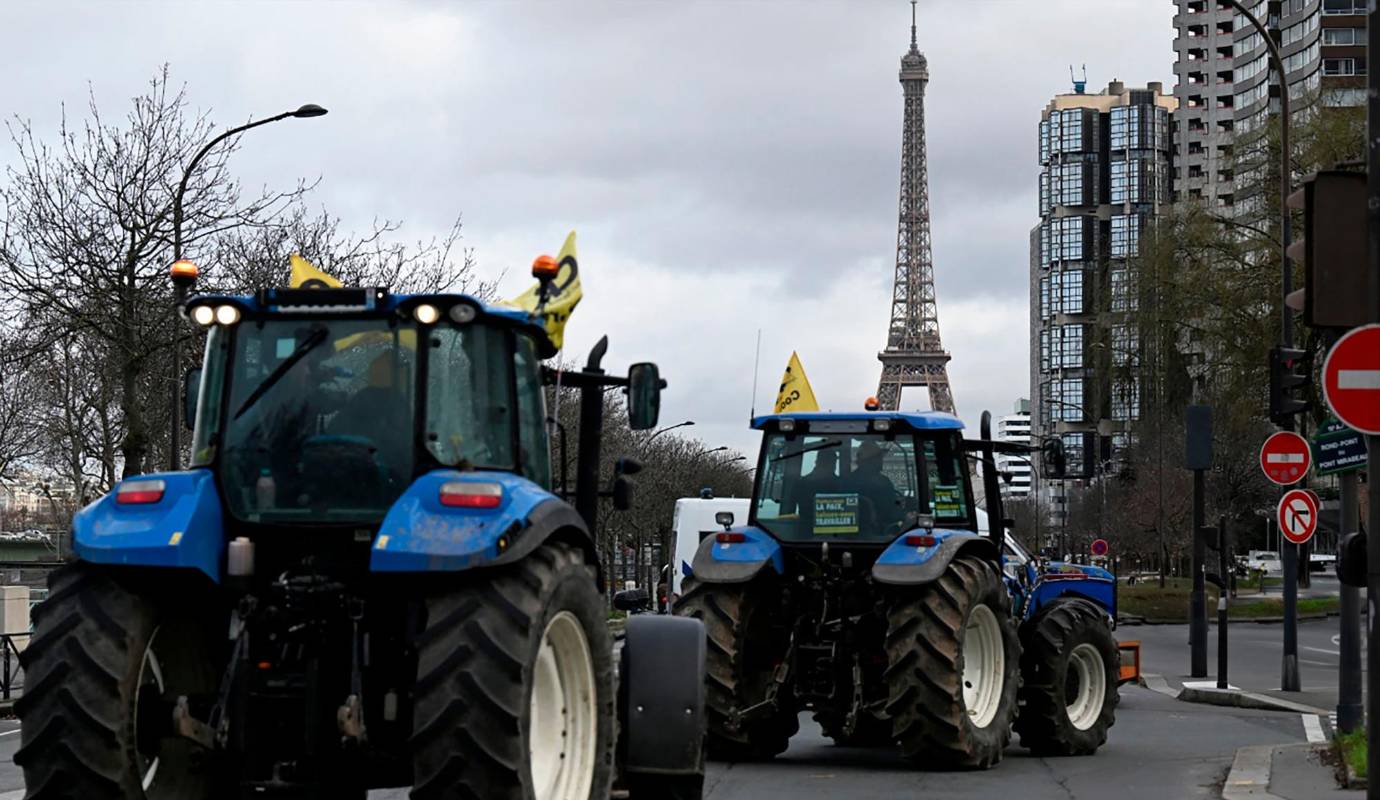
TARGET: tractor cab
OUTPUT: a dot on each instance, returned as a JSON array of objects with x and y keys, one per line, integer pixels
[
  {"x": 320, "y": 406},
  {"x": 860, "y": 479}
]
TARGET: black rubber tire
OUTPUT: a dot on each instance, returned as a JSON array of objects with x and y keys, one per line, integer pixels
[
  {"x": 82, "y": 671},
  {"x": 924, "y": 646},
  {"x": 1048, "y": 643},
  {"x": 740, "y": 653},
  {"x": 475, "y": 657},
  {"x": 668, "y": 787}
]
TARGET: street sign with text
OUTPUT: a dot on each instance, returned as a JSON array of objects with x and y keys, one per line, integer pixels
[
  {"x": 1298, "y": 515},
  {"x": 1285, "y": 458},
  {"x": 1337, "y": 448},
  {"x": 1351, "y": 379}
]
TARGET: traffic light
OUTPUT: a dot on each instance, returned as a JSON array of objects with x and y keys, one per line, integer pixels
[
  {"x": 1351, "y": 560},
  {"x": 1290, "y": 375},
  {"x": 1333, "y": 248}
]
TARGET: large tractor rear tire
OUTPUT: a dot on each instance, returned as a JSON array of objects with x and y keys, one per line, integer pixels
[
  {"x": 1069, "y": 680},
  {"x": 102, "y": 675},
  {"x": 514, "y": 697},
  {"x": 742, "y": 652},
  {"x": 953, "y": 666}
]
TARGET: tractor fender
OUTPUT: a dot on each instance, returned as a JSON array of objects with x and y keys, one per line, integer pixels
[
  {"x": 737, "y": 562},
  {"x": 1073, "y": 581},
  {"x": 183, "y": 529},
  {"x": 420, "y": 535},
  {"x": 904, "y": 564},
  {"x": 661, "y": 696}
]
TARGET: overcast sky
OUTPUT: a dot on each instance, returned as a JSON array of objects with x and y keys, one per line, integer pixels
[{"x": 729, "y": 166}]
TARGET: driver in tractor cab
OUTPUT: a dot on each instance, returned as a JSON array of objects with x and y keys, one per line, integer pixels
[
  {"x": 382, "y": 405},
  {"x": 882, "y": 504}
]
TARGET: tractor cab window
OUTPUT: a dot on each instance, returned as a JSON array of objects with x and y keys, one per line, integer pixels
[
  {"x": 948, "y": 501},
  {"x": 319, "y": 421},
  {"x": 848, "y": 486},
  {"x": 532, "y": 438},
  {"x": 470, "y": 414}
]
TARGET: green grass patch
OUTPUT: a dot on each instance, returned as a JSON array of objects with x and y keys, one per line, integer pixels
[
  {"x": 1150, "y": 601},
  {"x": 1351, "y": 748}
]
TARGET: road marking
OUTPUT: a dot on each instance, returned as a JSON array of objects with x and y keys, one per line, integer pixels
[
  {"x": 10, "y": 733},
  {"x": 1301, "y": 661},
  {"x": 1312, "y": 728},
  {"x": 1249, "y": 778},
  {"x": 1321, "y": 650},
  {"x": 1358, "y": 379}
]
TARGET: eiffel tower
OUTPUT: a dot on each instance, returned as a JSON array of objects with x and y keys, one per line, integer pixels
[{"x": 914, "y": 355}]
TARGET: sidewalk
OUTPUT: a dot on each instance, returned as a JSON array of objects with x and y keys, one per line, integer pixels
[{"x": 1286, "y": 772}]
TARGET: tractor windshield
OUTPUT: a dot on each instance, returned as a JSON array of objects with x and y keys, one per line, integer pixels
[
  {"x": 319, "y": 421},
  {"x": 858, "y": 486}
]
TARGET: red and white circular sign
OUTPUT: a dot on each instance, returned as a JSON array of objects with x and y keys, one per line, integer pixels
[
  {"x": 1298, "y": 515},
  {"x": 1351, "y": 379},
  {"x": 1098, "y": 547},
  {"x": 1286, "y": 457}
]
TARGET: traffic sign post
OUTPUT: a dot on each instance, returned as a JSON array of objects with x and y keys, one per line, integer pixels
[
  {"x": 1285, "y": 458},
  {"x": 1338, "y": 449},
  {"x": 1298, "y": 515}
]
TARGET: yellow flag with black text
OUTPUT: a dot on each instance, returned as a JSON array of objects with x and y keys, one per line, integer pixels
[
  {"x": 307, "y": 276},
  {"x": 795, "y": 393},
  {"x": 565, "y": 293}
]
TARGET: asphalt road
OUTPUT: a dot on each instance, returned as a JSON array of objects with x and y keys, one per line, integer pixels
[{"x": 1160, "y": 748}]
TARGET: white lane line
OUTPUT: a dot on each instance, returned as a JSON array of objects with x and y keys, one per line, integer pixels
[
  {"x": 9, "y": 733},
  {"x": 1322, "y": 650},
  {"x": 1312, "y": 728},
  {"x": 1301, "y": 661}
]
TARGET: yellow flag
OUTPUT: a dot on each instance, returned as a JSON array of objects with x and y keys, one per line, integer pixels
[
  {"x": 306, "y": 276},
  {"x": 795, "y": 393},
  {"x": 564, "y": 295}
]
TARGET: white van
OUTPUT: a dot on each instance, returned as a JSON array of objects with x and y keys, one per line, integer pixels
[{"x": 692, "y": 521}]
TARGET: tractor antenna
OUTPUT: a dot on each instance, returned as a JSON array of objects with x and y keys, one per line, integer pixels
[{"x": 756, "y": 361}]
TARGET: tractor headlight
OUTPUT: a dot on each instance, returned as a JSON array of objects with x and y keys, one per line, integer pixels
[
  {"x": 426, "y": 314},
  {"x": 227, "y": 315},
  {"x": 203, "y": 315},
  {"x": 463, "y": 313}
]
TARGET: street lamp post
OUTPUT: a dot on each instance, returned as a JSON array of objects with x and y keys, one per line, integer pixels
[
  {"x": 710, "y": 450},
  {"x": 669, "y": 428},
  {"x": 183, "y": 280}
]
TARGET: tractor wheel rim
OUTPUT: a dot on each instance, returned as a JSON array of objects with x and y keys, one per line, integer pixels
[
  {"x": 984, "y": 666},
  {"x": 564, "y": 720},
  {"x": 1085, "y": 687},
  {"x": 150, "y": 682}
]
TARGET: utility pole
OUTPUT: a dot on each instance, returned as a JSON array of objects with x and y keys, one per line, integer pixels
[{"x": 1373, "y": 441}]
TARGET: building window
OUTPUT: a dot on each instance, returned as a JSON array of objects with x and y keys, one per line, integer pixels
[
  {"x": 1073, "y": 454},
  {"x": 1063, "y": 238},
  {"x": 1344, "y": 6},
  {"x": 1071, "y": 291},
  {"x": 1125, "y": 345},
  {"x": 1341, "y": 66},
  {"x": 1126, "y": 235},
  {"x": 1068, "y": 400},
  {"x": 1071, "y": 139},
  {"x": 1126, "y": 400},
  {"x": 1068, "y": 187},
  {"x": 1045, "y": 365},
  {"x": 1070, "y": 355},
  {"x": 1044, "y": 141},
  {"x": 1046, "y": 308},
  {"x": 1123, "y": 292},
  {"x": 1133, "y": 181},
  {"x": 1344, "y": 35},
  {"x": 1045, "y": 205}
]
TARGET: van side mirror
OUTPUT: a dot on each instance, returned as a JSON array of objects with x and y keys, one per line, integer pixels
[
  {"x": 644, "y": 395},
  {"x": 191, "y": 383}
]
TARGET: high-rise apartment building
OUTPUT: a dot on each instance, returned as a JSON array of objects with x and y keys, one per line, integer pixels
[
  {"x": 1205, "y": 120},
  {"x": 1323, "y": 44},
  {"x": 1105, "y": 170},
  {"x": 1015, "y": 427}
]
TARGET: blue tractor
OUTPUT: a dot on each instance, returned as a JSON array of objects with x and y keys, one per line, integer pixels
[
  {"x": 863, "y": 588},
  {"x": 367, "y": 578}
]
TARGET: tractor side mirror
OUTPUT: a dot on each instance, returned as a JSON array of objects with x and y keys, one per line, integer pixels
[
  {"x": 191, "y": 383},
  {"x": 724, "y": 518},
  {"x": 1052, "y": 456},
  {"x": 644, "y": 395},
  {"x": 623, "y": 490}
]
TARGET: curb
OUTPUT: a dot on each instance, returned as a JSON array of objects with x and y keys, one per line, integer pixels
[
  {"x": 1241, "y": 699},
  {"x": 1133, "y": 620},
  {"x": 1249, "y": 778}
]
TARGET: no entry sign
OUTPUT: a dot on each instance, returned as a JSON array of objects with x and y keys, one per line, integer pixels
[
  {"x": 1099, "y": 547},
  {"x": 1285, "y": 457},
  {"x": 1351, "y": 379},
  {"x": 1298, "y": 515}
]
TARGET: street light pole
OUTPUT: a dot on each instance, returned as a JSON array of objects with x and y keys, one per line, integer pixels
[
  {"x": 181, "y": 287},
  {"x": 669, "y": 428}
]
